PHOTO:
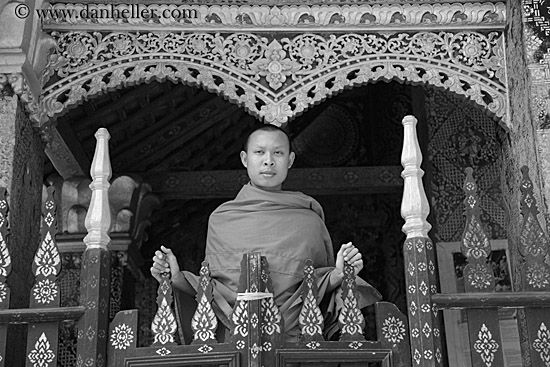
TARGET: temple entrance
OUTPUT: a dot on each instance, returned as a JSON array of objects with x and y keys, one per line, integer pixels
[{"x": 184, "y": 142}]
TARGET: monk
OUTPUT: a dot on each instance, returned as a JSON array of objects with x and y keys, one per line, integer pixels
[{"x": 286, "y": 227}]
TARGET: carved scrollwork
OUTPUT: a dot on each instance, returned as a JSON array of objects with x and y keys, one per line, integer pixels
[
  {"x": 334, "y": 15},
  {"x": 273, "y": 79}
]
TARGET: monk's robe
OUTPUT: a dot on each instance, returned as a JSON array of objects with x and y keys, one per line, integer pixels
[{"x": 287, "y": 228}]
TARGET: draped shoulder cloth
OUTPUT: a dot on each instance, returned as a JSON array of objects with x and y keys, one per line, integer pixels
[{"x": 287, "y": 228}]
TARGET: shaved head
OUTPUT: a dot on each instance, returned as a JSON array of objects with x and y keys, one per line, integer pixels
[{"x": 267, "y": 127}]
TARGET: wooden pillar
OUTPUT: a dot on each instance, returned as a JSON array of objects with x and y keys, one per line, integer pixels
[
  {"x": 419, "y": 255},
  {"x": 96, "y": 261},
  {"x": 21, "y": 167}
]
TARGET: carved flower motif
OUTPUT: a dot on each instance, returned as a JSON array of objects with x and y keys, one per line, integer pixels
[
  {"x": 121, "y": 45},
  {"x": 122, "y": 337},
  {"x": 275, "y": 66},
  {"x": 479, "y": 277},
  {"x": 538, "y": 275},
  {"x": 242, "y": 50},
  {"x": 307, "y": 51},
  {"x": 45, "y": 291},
  {"x": 472, "y": 48},
  {"x": 393, "y": 329},
  {"x": 77, "y": 50}
]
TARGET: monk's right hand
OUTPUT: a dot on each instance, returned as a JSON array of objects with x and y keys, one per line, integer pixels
[{"x": 164, "y": 261}]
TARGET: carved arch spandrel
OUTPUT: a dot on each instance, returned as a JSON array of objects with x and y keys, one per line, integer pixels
[{"x": 274, "y": 80}]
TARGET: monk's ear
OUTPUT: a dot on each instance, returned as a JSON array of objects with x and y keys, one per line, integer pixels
[
  {"x": 291, "y": 159},
  {"x": 243, "y": 158}
]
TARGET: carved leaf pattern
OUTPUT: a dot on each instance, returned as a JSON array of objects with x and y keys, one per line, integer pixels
[
  {"x": 240, "y": 319},
  {"x": 311, "y": 319},
  {"x": 47, "y": 257},
  {"x": 164, "y": 324},
  {"x": 475, "y": 240},
  {"x": 542, "y": 344},
  {"x": 5, "y": 259},
  {"x": 532, "y": 239},
  {"x": 204, "y": 322},
  {"x": 350, "y": 317},
  {"x": 41, "y": 355},
  {"x": 486, "y": 346},
  {"x": 271, "y": 322},
  {"x": 3, "y": 292}
]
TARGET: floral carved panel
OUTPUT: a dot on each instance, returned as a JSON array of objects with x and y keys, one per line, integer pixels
[{"x": 274, "y": 79}]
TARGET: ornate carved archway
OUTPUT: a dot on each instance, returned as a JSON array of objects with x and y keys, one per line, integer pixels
[{"x": 278, "y": 61}]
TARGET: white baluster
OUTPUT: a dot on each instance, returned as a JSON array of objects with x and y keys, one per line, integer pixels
[
  {"x": 414, "y": 206},
  {"x": 98, "y": 218}
]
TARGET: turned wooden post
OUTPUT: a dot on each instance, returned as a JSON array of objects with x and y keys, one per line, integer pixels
[
  {"x": 96, "y": 261},
  {"x": 419, "y": 255}
]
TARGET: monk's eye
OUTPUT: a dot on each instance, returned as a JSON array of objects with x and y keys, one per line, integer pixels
[
  {"x": 278, "y": 152},
  {"x": 258, "y": 151}
]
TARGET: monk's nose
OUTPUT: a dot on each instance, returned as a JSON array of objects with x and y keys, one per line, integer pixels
[{"x": 269, "y": 161}]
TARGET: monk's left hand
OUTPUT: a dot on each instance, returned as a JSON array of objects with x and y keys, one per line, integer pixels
[{"x": 350, "y": 254}]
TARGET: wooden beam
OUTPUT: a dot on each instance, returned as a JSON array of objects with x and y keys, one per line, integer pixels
[
  {"x": 66, "y": 154},
  {"x": 313, "y": 181},
  {"x": 490, "y": 300},
  {"x": 38, "y": 315}
]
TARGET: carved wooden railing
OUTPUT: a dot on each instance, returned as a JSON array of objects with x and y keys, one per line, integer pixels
[
  {"x": 256, "y": 338},
  {"x": 482, "y": 303},
  {"x": 44, "y": 314}
]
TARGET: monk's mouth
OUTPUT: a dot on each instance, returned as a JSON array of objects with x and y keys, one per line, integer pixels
[{"x": 269, "y": 174}]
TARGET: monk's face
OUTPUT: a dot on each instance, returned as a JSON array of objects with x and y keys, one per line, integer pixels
[{"x": 267, "y": 159}]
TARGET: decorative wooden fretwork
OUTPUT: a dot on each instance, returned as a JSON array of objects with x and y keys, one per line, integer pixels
[
  {"x": 256, "y": 336},
  {"x": 164, "y": 324},
  {"x": 311, "y": 319},
  {"x": 483, "y": 325},
  {"x": 350, "y": 319},
  {"x": 42, "y": 337},
  {"x": 204, "y": 322},
  {"x": 5, "y": 269},
  {"x": 535, "y": 274},
  {"x": 274, "y": 79}
]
